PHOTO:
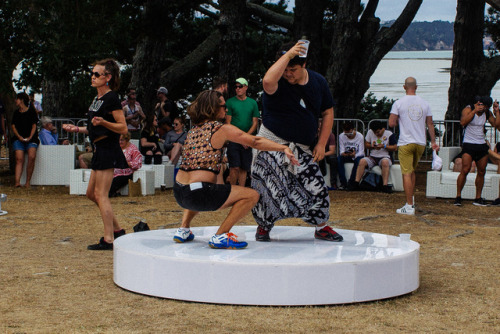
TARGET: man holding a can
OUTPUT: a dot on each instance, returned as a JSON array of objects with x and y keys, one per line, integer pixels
[{"x": 294, "y": 100}]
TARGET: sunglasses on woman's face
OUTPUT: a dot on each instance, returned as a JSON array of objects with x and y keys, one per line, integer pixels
[
  {"x": 175, "y": 124},
  {"x": 97, "y": 74}
]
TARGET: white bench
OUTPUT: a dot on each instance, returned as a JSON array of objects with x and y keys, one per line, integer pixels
[
  {"x": 444, "y": 183},
  {"x": 53, "y": 164},
  {"x": 79, "y": 181},
  {"x": 395, "y": 177},
  {"x": 164, "y": 174}
]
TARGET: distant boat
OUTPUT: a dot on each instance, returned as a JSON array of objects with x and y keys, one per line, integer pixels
[{"x": 426, "y": 49}]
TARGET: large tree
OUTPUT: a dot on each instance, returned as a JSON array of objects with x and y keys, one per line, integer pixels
[{"x": 358, "y": 45}]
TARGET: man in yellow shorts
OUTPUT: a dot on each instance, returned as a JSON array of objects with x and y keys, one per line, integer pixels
[{"x": 412, "y": 114}]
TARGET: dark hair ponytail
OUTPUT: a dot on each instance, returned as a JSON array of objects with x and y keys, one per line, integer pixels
[{"x": 111, "y": 67}]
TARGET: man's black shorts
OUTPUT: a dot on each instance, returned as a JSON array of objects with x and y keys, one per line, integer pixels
[
  {"x": 238, "y": 156},
  {"x": 476, "y": 151}
]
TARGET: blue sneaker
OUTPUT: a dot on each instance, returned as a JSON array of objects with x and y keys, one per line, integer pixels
[
  {"x": 181, "y": 236},
  {"x": 225, "y": 241}
]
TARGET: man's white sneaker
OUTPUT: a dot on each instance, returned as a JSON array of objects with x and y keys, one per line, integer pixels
[{"x": 407, "y": 209}]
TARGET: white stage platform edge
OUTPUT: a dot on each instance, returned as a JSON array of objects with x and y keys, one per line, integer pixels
[{"x": 292, "y": 269}]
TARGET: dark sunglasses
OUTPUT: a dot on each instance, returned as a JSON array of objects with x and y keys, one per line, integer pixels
[
  {"x": 174, "y": 124},
  {"x": 238, "y": 86},
  {"x": 96, "y": 74},
  {"x": 223, "y": 106}
]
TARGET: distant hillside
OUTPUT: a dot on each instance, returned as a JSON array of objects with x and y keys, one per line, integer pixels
[{"x": 436, "y": 35}]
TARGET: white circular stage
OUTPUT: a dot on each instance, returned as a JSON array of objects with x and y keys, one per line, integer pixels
[{"x": 292, "y": 269}]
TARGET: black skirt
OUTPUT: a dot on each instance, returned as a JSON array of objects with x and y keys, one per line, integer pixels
[{"x": 108, "y": 154}]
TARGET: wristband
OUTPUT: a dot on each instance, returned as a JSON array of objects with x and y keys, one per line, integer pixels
[
  {"x": 385, "y": 146},
  {"x": 77, "y": 129}
]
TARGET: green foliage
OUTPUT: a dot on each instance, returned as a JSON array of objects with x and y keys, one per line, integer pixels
[
  {"x": 371, "y": 108},
  {"x": 492, "y": 27}
]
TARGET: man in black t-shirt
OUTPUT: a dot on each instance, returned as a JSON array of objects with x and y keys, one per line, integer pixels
[{"x": 293, "y": 101}]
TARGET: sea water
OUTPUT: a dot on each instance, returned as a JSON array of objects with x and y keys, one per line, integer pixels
[{"x": 430, "y": 68}]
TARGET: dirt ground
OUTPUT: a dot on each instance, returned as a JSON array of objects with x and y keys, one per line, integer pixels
[{"x": 50, "y": 283}]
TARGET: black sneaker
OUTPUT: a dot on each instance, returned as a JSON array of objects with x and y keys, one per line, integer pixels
[
  {"x": 117, "y": 234},
  {"x": 262, "y": 235},
  {"x": 102, "y": 245},
  {"x": 387, "y": 189},
  {"x": 458, "y": 201},
  {"x": 326, "y": 233},
  {"x": 480, "y": 202},
  {"x": 496, "y": 202}
]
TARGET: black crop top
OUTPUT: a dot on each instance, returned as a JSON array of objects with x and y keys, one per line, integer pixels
[{"x": 103, "y": 107}]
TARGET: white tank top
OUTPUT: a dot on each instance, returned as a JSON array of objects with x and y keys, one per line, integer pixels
[{"x": 474, "y": 131}]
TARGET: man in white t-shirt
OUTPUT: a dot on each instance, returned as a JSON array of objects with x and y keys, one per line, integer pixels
[
  {"x": 351, "y": 149},
  {"x": 412, "y": 113},
  {"x": 381, "y": 143}
]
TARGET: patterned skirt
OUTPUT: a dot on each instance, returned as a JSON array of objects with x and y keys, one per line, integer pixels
[{"x": 286, "y": 195}]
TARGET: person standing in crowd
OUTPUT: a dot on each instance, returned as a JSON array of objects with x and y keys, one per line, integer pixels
[
  {"x": 130, "y": 92},
  {"x": 242, "y": 112},
  {"x": 474, "y": 145},
  {"x": 294, "y": 99},
  {"x": 174, "y": 140},
  {"x": 195, "y": 187},
  {"x": 381, "y": 143},
  {"x": 36, "y": 104},
  {"x": 134, "y": 161},
  {"x": 133, "y": 115},
  {"x": 48, "y": 133},
  {"x": 165, "y": 108},
  {"x": 220, "y": 85},
  {"x": 105, "y": 124},
  {"x": 24, "y": 137},
  {"x": 352, "y": 149},
  {"x": 150, "y": 142},
  {"x": 411, "y": 113}
]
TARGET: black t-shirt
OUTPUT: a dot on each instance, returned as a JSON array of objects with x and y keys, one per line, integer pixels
[
  {"x": 23, "y": 121},
  {"x": 103, "y": 107},
  {"x": 151, "y": 137},
  {"x": 292, "y": 112}
]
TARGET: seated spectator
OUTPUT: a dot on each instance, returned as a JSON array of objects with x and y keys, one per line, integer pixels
[
  {"x": 381, "y": 143},
  {"x": 352, "y": 149},
  {"x": 164, "y": 126},
  {"x": 150, "y": 142},
  {"x": 331, "y": 159},
  {"x": 174, "y": 140},
  {"x": 134, "y": 161},
  {"x": 48, "y": 134},
  {"x": 133, "y": 115}
]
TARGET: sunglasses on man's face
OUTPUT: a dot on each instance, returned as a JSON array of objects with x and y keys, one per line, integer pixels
[
  {"x": 238, "y": 86},
  {"x": 97, "y": 74}
]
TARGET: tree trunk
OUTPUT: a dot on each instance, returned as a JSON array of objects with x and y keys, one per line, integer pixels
[
  {"x": 358, "y": 46},
  {"x": 232, "y": 22},
  {"x": 150, "y": 54},
  {"x": 308, "y": 23},
  {"x": 55, "y": 93}
]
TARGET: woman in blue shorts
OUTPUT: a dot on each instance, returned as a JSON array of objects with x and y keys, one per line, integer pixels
[
  {"x": 106, "y": 122},
  {"x": 195, "y": 187},
  {"x": 25, "y": 137}
]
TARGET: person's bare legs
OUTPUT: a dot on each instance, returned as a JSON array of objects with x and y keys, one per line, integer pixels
[
  {"x": 187, "y": 217},
  {"x": 31, "y": 165},
  {"x": 409, "y": 186},
  {"x": 175, "y": 153},
  {"x": 233, "y": 175},
  {"x": 242, "y": 177},
  {"x": 361, "y": 169},
  {"x": 480, "y": 171},
  {"x": 462, "y": 177},
  {"x": 385, "y": 166},
  {"x": 19, "y": 167},
  {"x": 97, "y": 191},
  {"x": 242, "y": 201}
]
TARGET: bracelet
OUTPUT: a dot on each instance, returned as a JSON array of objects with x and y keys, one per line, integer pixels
[{"x": 77, "y": 129}]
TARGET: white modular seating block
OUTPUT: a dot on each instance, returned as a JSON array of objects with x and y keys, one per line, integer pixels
[
  {"x": 169, "y": 175},
  {"x": 163, "y": 174},
  {"x": 52, "y": 165},
  {"x": 443, "y": 183},
  {"x": 147, "y": 182},
  {"x": 79, "y": 181},
  {"x": 365, "y": 266}
]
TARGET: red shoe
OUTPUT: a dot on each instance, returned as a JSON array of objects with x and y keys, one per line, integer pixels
[
  {"x": 262, "y": 235},
  {"x": 326, "y": 233}
]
